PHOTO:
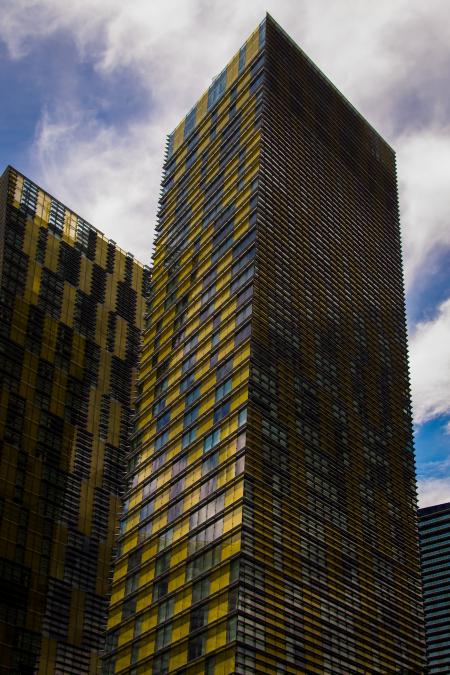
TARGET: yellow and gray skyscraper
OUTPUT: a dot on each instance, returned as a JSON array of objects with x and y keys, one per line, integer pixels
[
  {"x": 270, "y": 522},
  {"x": 72, "y": 306}
]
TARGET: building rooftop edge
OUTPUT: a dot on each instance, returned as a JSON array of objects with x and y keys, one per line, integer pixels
[
  {"x": 310, "y": 61},
  {"x": 10, "y": 167},
  {"x": 316, "y": 67}
]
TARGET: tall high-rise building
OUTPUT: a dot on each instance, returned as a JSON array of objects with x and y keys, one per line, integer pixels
[
  {"x": 434, "y": 535},
  {"x": 72, "y": 306},
  {"x": 270, "y": 525}
]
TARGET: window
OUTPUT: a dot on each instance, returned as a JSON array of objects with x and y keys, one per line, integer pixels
[
  {"x": 234, "y": 570},
  {"x": 244, "y": 243},
  {"x": 165, "y": 539},
  {"x": 162, "y": 421},
  {"x": 225, "y": 369},
  {"x": 210, "y": 463},
  {"x": 242, "y": 417},
  {"x": 221, "y": 412},
  {"x": 134, "y": 559},
  {"x": 190, "y": 159},
  {"x": 161, "y": 440},
  {"x": 210, "y": 277},
  {"x": 231, "y": 629},
  {"x": 188, "y": 363},
  {"x": 241, "y": 59},
  {"x": 163, "y": 636},
  {"x": 196, "y": 647},
  {"x": 177, "y": 488},
  {"x": 160, "y": 588},
  {"x": 161, "y": 664},
  {"x": 132, "y": 583},
  {"x": 189, "y": 437},
  {"x": 192, "y": 396},
  {"x": 198, "y": 618},
  {"x": 242, "y": 335},
  {"x": 200, "y": 590},
  {"x": 165, "y": 609},
  {"x": 190, "y": 344},
  {"x": 242, "y": 279},
  {"x": 243, "y": 261},
  {"x": 146, "y": 510},
  {"x": 205, "y": 536},
  {"x": 244, "y": 296},
  {"x": 243, "y": 314},
  {"x": 210, "y": 664},
  {"x": 217, "y": 89},
  {"x": 179, "y": 465},
  {"x": 162, "y": 563},
  {"x": 202, "y": 563},
  {"x": 159, "y": 461},
  {"x": 191, "y": 416},
  {"x": 51, "y": 293},
  {"x": 134, "y": 654},
  {"x": 189, "y": 122},
  {"x": 162, "y": 386},
  {"x": 206, "y": 313},
  {"x": 209, "y": 487},
  {"x": 144, "y": 532},
  {"x": 186, "y": 382},
  {"x": 139, "y": 620},
  {"x": 207, "y": 295},
  {"x": 233, "y": 595},
  {"x": 149, "y": 488},
  {"x": 223, "y": 248},
  {"x": 201, "y": 515},
  {"x": 262, "y": 34},
  {"x": 174, "y": 511},
  {"x": 224, "y": 232},
  {"x": 128, "y": 608},
  {"x": 211, "y": 440},
  {"x": 256, "y": 83}
]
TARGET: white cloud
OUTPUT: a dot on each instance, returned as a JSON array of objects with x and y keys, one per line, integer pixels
[
  {"x": 114, "y": 178},
  {"x": 432, "y": 491},
  {"x": 430, "y": 366},
  {"x": 424, "y": 171}
]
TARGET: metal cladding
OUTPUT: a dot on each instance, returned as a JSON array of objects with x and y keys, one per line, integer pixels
[
  {"x": 434, "y": 535},
  {"x": 72, "y": 307},
  {"x": 270, "y": 525}
]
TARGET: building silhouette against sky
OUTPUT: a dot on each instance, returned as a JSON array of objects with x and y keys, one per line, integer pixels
[
  {"x": 434, "y": 534},
  {"x": 72, "y": 306},
  {"x": 270, "y": 524}
]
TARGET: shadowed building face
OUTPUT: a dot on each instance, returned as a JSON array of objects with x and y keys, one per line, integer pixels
[
  {"x": 270, "y": 524},
  {"x": 72, "y": 309},
  {"x": 434, "y": 532}
]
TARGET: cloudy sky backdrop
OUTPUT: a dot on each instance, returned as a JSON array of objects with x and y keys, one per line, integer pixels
[{"x": 90, "y": 89}]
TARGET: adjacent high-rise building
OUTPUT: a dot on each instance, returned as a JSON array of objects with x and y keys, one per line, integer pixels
[
  {"x": 434, "y": 534},
  {"x": 72, "y": 306},
  {"x": 270, "y": 524}
]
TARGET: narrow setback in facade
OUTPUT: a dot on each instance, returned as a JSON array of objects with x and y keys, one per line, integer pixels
[
  {"x": 72, "y": 307},
  {"x": 434, "y": 533},
  {"x": 270, "y": 524}
]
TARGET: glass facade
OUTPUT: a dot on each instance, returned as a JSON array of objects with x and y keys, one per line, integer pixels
[
  {"x": 434, "y": 533},
  {"x": 72, "y": 308},
  {"x": 270, "y": 523}
]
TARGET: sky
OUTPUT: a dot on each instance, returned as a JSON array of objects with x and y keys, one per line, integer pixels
[{"x": 91, "y": 88}]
